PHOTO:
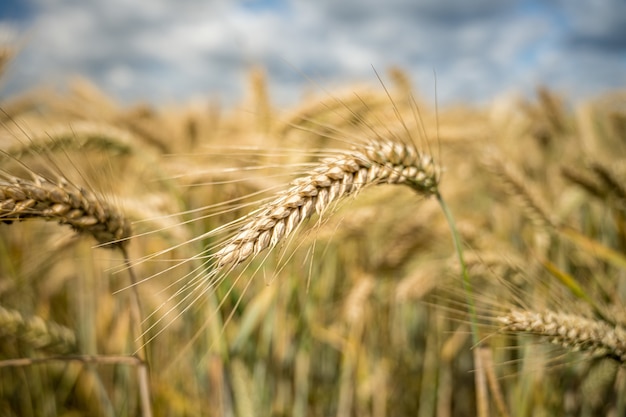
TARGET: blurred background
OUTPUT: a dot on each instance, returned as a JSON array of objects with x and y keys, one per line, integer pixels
[
  {"x": 172, "y": 51},
  {"x": 361, "y": 314}
]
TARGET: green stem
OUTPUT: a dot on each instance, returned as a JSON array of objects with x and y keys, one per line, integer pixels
[{"x": 467, "y": 285}]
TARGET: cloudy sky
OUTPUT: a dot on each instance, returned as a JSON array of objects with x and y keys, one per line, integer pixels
[{"x": 169, "y": 50}]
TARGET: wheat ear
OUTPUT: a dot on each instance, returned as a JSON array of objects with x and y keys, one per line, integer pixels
[
  {"x": 570, "y": 331},
  {"x": 377, "y": 162},
  {"x": 22, "y": 199},
  {"x": 536, "y": 209},
  {"x": 36, "y": 332},
  {"x": 78, "y": 135}
]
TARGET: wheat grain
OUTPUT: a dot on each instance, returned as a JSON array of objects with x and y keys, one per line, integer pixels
[
  {"x": 22, "y": 199},
  {"x": 379, "y": 162},
  {"x": 570, "y": 331}
]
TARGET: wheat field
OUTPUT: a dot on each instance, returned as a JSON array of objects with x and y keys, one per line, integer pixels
[{"x": 255, "y": 261}]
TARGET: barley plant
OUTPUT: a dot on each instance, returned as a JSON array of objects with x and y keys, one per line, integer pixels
[{"x": 254, "y": 261}]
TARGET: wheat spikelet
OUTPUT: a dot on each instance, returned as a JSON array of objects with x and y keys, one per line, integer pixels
[
  {"x": 22, "y": 199},
  {"x": 570, "y": 331},
  {"x": 379, "y": 162}
]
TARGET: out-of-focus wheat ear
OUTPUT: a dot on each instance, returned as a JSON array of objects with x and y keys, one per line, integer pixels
[
  {"x": 86, "y": 91},
  {"x": 552, "y": 108},
  {"x": 605, "y": 186},
  {"x": 23, "y": 103},
  {"x": 151, "y": 131},
  {"x": 260, "y": 99},
  {"x": 614, "y": 185},
  {"x": 573, "y": 332},
  {"x": 400, "y": 79},
  {"x": 337, "y": 111},
  {"x": 585, "y": 181},
  {"x": 78, "y": 135},
  {"x": 35, "y": 332},
  {"x": 548, "y": 115},
  {"x": 7, "y": 53},
  {"x": 401, "y": 82},
  {"x": 86, "y": 213},
  {"x": 535, "y": 208},
  {"x": 378, "y": 162}
]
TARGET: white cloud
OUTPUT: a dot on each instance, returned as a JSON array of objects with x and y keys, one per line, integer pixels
[{"x": 164, "y": 50}]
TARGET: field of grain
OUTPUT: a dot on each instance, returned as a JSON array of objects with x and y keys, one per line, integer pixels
[{"x": 129, "y": 285}]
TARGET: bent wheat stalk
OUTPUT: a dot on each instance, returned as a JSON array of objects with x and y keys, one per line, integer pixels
[
  {"x": 378, "y": 162},
  {"x": 342, "y": 174},
  {"x": 22, "y": 199}
]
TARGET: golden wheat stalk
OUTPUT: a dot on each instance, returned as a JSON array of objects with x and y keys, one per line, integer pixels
[
  {"x": 378, "y": 162},
  {"x": 570, "y": 331},
  {"x": 22, "y": 199}
]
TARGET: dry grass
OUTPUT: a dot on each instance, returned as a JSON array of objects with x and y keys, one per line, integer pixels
[{"x": 364, "y": 313}]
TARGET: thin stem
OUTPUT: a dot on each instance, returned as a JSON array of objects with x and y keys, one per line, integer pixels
[
  {"x": 141, "y": 352},
  {"x": 482, "y": 405},
  {"x": 467, "y": 285}
]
